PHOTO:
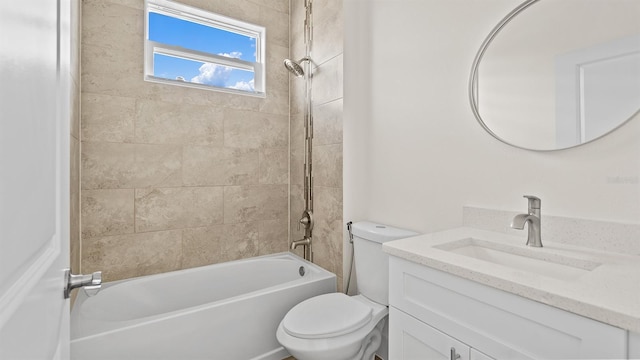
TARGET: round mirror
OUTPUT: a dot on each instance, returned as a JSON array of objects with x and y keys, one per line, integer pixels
[{"x": 557, "y": 74}]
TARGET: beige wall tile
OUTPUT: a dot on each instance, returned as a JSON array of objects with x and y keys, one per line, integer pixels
[
  {"x": 136, "y": 4},
  {"x": 74, "y": 167},
  {"x": 297, "y": 134},
  {"x": 328, "y": 29},
  {"x": 296, "y": 203},
  {"x": 278, "y": 33},
  {"x": 328, "y": 204},
  {"x": 107, "y": 118},
  {"x": 279, "y": 5},
  {"x": 276, "y": 102},
  {"x": 215, "y": 244},
  {"x": 178, "y": 208},
  {"x": 296, "y": 93},
  {"x": 126, "y": 256},
  {"x": 206, "y": 165},
  {"x": 327, "y": 165},
  {"x": 297, "y": 49},
  {"x": 125, "y": 86},
  {"x": 111, "y": 25},
  {"x": 165, "y": 123},
  {"x": 118, "y": 165},
  {"x": 249, "y": 129},
  {"x": 114, "y": 62},
  {"x": 75, "y": 107},
  {"x": 241, "y": 10},
  {"x": 273, "y": 235},
  {"x": 106, "y": 212},
  {"x": 327, "y": 123},
  {"x": 254, "y": 203},
  {"x": 296, "y": 168},
  {"x": 296, "y": 18},
  {"x": 74, "y": 232},
  {"x": 74, "y": 205},
  {"x": 327, "y": 81},
  {"x": 327, "y": 246},
  {"x": 274, "y": 166},
  {"x": 228, "y": 101},
  {"x": 276, "y": 74}
]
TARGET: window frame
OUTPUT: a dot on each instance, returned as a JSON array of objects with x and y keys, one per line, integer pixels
[{"x": 206, "y": 18}]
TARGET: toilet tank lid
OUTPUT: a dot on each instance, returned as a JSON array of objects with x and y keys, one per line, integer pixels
[{"x": 378, "y": 232}]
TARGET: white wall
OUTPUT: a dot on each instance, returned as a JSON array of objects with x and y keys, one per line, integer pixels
[{"x": 413, "y": 151}]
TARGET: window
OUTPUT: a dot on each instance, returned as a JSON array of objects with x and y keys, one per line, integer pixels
[{"x": 192, "y": 47}]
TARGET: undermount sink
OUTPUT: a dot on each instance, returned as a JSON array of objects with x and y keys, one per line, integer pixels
[{"x": 521, "y": 258}]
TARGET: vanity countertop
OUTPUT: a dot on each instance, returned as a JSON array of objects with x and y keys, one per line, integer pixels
[{"x": 609, "y": 293}]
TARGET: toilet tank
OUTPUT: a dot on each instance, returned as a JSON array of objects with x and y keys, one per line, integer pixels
[{"x": 371, "y": 263}]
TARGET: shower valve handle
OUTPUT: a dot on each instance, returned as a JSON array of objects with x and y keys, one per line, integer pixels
[{"x": 306, "y": 220}]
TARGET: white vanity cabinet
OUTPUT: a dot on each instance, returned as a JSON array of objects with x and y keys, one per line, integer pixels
[
  {"x": 415, "y": 340},
  {"x": 432, "y": 311}
]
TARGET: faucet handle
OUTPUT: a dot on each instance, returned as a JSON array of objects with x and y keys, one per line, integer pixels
[{"x": 534, "y": 201}]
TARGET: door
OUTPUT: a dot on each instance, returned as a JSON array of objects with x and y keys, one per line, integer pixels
[
  {"x": 410, "y": 339},
  {"x": 597, "y": 89},
  {"x": 34, "y": 178}
]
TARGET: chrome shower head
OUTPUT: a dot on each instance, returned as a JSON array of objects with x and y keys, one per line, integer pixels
[{"x": 294, "y": 67}]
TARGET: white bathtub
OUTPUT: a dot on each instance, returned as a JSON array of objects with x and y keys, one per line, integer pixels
[{"x": 226, "y": 311}]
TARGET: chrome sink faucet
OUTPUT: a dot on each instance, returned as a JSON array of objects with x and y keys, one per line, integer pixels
[{"x": 533, "y": 217}]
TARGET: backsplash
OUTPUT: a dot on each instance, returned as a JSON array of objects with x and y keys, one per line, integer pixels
[{"x": 595, "y": 234}]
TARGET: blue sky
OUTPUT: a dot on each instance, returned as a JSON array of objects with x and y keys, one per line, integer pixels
[{"x": 172, "y": 31}]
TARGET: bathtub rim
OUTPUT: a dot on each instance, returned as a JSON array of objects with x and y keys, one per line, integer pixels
[{"x": 321, "y": 275}]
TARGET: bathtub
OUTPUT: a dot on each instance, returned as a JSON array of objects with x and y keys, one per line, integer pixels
[{"x": 227, "y": 311}]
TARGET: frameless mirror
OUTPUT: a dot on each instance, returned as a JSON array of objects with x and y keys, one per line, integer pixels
[{"x": 557, "y": 74}]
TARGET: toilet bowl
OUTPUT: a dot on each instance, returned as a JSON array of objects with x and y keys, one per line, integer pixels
[
  {"x": 340, "y": 327},
  {"x": 333, "y": 327}
]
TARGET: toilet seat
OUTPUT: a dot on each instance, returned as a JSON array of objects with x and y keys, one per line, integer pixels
[
  {"x": 334, "y": 347},
  {"x": 326, "y": 316}
]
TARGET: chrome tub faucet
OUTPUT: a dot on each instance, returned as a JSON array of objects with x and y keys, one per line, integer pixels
[{"x": 533, "y": 217}]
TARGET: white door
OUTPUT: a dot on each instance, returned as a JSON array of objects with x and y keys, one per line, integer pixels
[
  {"x": 410, "y": 339},
  {"x": 597, "y": 89},
  {"x": 34, "y": 178}
]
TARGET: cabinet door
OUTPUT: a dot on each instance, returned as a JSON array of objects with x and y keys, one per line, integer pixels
[
  {"x": 477, "y": 355},
  {"x": 410, "y": 339}
]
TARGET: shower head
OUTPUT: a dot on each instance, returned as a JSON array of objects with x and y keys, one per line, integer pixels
[{"x": 294, "y": 67}]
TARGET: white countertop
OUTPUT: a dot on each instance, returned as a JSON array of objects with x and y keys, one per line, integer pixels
[{"x": 609, "y": 293}]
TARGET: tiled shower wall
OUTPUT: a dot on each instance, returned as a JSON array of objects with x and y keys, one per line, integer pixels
[
  {"x": 175, "y": 177},
  {"x": 326, "y": 54}
]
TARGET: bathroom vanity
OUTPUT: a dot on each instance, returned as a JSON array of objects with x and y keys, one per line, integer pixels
[{"x": 473, "y": 294}]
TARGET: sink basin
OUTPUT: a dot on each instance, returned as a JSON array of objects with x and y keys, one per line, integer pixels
[{"x": 521, "y": 258}]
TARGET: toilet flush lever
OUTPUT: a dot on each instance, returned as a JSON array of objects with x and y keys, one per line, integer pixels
[{"x": 91, "y": 283}]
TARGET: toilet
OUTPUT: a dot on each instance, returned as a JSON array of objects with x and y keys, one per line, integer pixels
[{"x": 340, "y": 327}]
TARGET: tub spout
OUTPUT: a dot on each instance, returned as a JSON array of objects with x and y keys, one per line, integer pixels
[{"x": 306, "y": 241}]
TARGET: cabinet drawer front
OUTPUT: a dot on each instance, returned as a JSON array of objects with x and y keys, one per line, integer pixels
[
  {"x": 415, "y": 340},
  {"x": 496, "y": 322}
]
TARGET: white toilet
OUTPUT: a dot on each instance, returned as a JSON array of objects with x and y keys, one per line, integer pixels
[{"x": 340, "y": 327}]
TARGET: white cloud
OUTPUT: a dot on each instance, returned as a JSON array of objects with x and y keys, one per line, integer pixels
[
  {"x": 233, "y": 54},
  {"x": 244, "y": 85},
  {"x": 214, "y": 74}
]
